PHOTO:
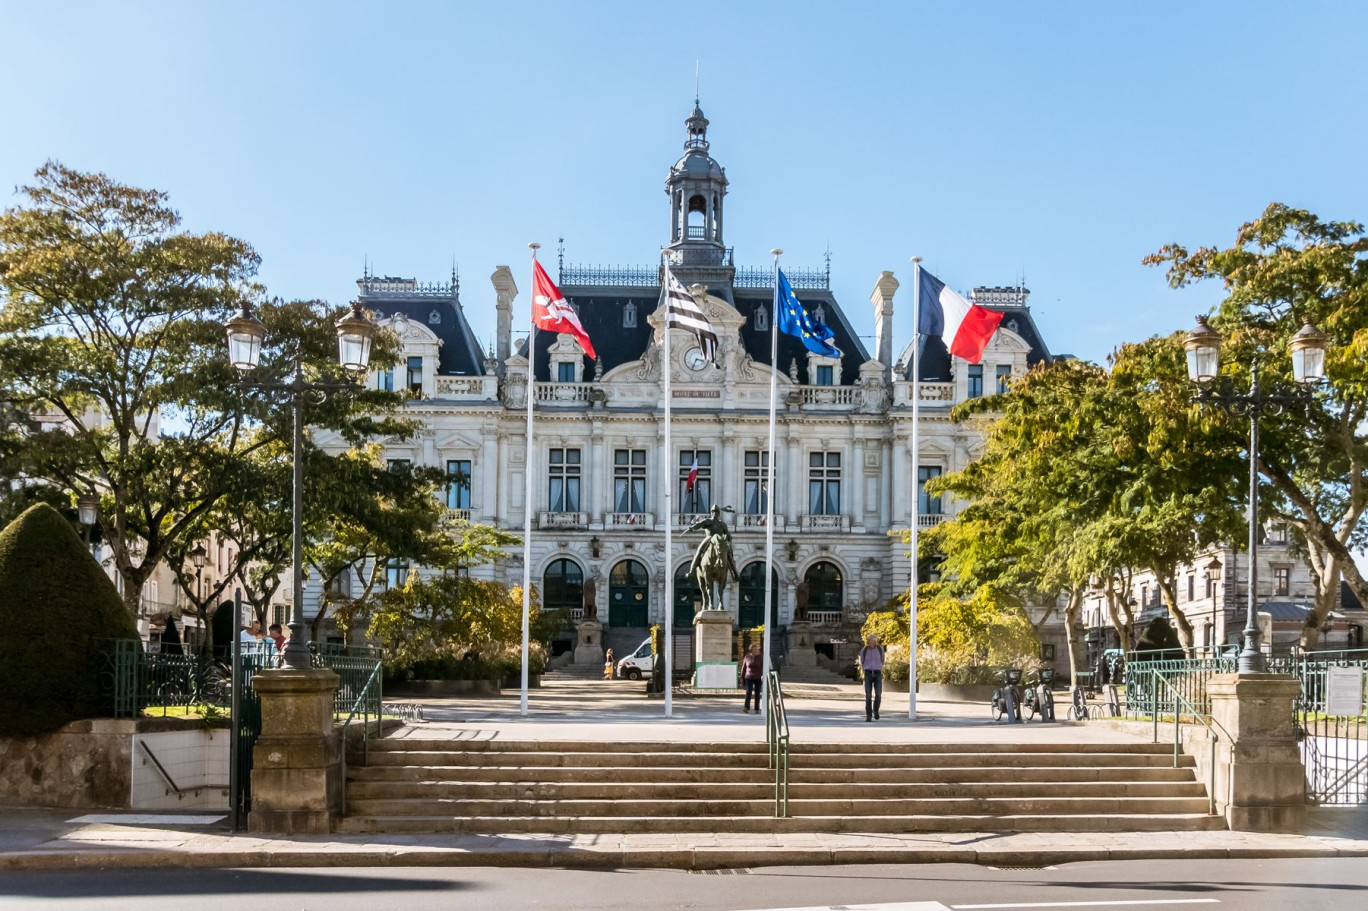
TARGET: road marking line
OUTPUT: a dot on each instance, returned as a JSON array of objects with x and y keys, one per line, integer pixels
[
  {"x": 147, "y": 819},
  {"x": 886, "y": 906},
  {"x": 1110, "y": 904}
]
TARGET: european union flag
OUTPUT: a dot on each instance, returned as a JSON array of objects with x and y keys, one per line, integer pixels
[{"x": 793, "y": 320}]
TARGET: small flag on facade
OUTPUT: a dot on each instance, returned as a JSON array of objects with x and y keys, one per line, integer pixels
[
  {"x": 793, "y": 320},
  {"x": 551, "y": 312},
  {"x": 693, "y": 475},
  {"x": 682, "y": 311}
]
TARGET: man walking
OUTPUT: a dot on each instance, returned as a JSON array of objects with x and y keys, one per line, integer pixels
[
  {"x": 752, "y": 672},
  {"x": 871, "y": 666}
]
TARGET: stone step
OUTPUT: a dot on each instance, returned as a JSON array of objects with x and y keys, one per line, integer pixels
[
  {"x": 761, "y": 775},
  {"x": 756, "y": 746},
  {"x": 755, "y": 760},
  {"x": 729, "y": 791},
  {"x": 863, "y": 808},
  {"x": 587, "y": 825}
]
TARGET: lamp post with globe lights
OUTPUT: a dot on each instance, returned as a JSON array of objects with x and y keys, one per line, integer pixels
[
  {"x": 355, "y": 333},
  {"x": 1203, "y": 348}
]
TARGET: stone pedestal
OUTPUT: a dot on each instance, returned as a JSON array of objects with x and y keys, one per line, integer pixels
[
  {"x": 297, "y": 761},
  {"x": 802, "y": 650},
  {"x": 589, "y": 642},
  {"x": 712, "y": 637},
  {"x": 1260, "y": 778}
]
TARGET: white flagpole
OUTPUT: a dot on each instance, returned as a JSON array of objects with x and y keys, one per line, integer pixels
[
  {"x": 668, "y": 638},
  {"x": 769, "y": 487},
  {"x": 527, "y": 471},
  {"x": 916, "y": 491}
]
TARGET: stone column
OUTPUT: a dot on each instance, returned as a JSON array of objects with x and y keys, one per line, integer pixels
[
  {"x": 297, "y": 762},
  {"x": 856, "y": 475},
  {"x": 1260, "y": 779}
]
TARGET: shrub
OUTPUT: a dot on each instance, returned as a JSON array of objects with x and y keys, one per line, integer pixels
[{"x": 57, "y": 611}]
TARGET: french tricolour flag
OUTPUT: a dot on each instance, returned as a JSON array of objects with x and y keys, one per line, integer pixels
[
  {"x": 965, "y": 327},
  {"x": 693, "y": 475}
]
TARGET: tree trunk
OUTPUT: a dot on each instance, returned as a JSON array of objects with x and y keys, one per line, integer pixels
[
  {"x": 1181, "y": 624},
  {"x": 1122, "y": 618},
  {"x": 1327, "y": 579},
  {"x": 1071, "y": 612}
]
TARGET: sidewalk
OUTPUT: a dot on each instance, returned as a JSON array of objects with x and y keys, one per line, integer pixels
[{"x": 53, "y": 839}]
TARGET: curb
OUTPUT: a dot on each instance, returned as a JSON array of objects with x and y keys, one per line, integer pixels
[{"x": 649, "y": 858}]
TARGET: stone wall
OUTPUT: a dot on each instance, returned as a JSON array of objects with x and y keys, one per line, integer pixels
[{"x": 92, "y": 763}]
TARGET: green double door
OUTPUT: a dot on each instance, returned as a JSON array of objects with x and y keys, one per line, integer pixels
[
  {"x": 629, "y": 598},
  {"x": 751, "y": 611}
]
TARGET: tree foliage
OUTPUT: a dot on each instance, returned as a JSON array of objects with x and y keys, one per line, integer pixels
[{"x": 1286, "y": 268}]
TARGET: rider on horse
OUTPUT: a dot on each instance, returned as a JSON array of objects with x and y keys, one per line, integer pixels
[{"x": 717, "y": 536}]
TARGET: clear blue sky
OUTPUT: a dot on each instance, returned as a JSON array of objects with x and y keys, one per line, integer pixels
[{"x": 1062, "y": 140}]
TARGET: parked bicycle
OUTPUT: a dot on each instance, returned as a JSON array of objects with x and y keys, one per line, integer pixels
[
  {"x": 1007, "y": 697},
  {"x": 1039, "y": 696}
]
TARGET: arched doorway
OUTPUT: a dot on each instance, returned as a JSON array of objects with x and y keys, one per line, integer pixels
[
  {"x": 628, "y": 594},
  {"x": 826, "y": 590},
  {"x": 563, "y": 587},
  {"x": 687, "y": 595},
  {"x": 751, "y": 612}
]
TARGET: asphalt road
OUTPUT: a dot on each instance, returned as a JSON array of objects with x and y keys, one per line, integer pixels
[{"x": 1243, "y": 885}]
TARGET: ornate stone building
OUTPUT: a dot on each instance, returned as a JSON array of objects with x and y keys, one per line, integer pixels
[{"x": 843, "y": 466}]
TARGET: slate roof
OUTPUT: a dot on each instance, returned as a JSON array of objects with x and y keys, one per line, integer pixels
[
  {"x": 460, "y": 353},
  {"x": 601, "y": 312},
  {"x": 936, "y": 361}
]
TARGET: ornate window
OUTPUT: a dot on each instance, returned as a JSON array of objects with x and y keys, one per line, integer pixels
[
  {"x": 435, "y": 318},
  {"x": 1004, "y": 377},
  {"x": 629, "y": 480},
  {"x": 826, "y": 590},
  {"x": 927, "y": 505},
  {"x": 563, "y": 587},
  {"x": 384, "y": 379},
  {"x": 563, "y": 480},
  {"x": 396, "y": 572},
  {"x": 762, "y": 319},
  {"x": 824, "y": 483},
  {"x": 757, "y": 481},
  {"x": 826, "y": 375},
  {"x": 565, "y": 372},
  {"x": 415, "y": 375},
  {"x": 697, "y": 498},
  {"x": 458, "y": 484},
  {"x": 629, "y": 315},
  {"x": 1282, "y": 580},
  {"x": 975, "y": 380}
]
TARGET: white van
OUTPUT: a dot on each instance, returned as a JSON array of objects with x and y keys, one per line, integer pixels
[{"x": 638, "y": 664}]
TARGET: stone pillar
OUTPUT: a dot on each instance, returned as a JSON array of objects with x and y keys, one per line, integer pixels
[
  {"x": 1260, "y": 779},
  {"x": 712, "y": 643},
  {"x": 297, "y": 761},
  {"x": 589, "y": 644},
  {"x": 802, "y": 648}
]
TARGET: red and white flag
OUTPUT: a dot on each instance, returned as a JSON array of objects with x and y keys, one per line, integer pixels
[
  {"x": 551, "y": 312},
  {"x": 693, "y": 475}
]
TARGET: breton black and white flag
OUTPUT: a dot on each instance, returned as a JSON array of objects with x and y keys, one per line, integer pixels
[{"x": 683, "y": 311}]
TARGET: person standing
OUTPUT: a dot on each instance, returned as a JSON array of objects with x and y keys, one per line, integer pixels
[
  {"x": 871, "y": 667},
  {"x": 608, "y": 665},
  {"x": 752, "y": 672}
]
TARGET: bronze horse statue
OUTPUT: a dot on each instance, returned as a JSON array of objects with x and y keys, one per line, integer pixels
[{"x": 714, "y": 563}]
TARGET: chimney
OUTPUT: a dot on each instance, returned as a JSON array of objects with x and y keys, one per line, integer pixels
[
  {"x": 505, "y": 290},
  {"x": 882, "y": 299}
]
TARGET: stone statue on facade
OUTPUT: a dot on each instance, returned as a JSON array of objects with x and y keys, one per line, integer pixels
[
  {"x": 590, "y": 589},
  {"x": 800, "y": 602},
  {"x": 714, "y": 562}
]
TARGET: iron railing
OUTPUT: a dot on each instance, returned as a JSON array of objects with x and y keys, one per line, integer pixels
[
  {"x": 1176, "y": 705},
  {"x": 800, "y": 278},
  {"x": 777, "y": 739},
  {"x": 369, "y": 701}
]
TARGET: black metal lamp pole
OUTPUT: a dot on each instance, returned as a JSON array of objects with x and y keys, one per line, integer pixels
[
  {"x": 1308, "y": 367},
  {"x": 355, "y": 332}
]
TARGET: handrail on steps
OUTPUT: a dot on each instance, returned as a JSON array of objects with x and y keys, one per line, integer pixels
[
  {"x": 1209, "y": 723},
  {"x": 362, "y": 705},
  {"x": 777, "y": 740}
]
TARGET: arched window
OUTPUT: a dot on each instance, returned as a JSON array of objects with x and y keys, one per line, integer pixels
[
  {"x": 686, "y": 596},
  {"x": 563, "y": 587},
  {"x": 698, "y": 217},
  {"x": 826, "y": 591},
  {"x": 628, "y": 594},
  {"x": 750, "y": 613}
]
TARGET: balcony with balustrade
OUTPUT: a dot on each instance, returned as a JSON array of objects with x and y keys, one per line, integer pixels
[
  {"x": 823, "y": 398},
  {"x": 639, "y": 521},
  {"x": 574, "y": 394},
  {"x": 571, "y": 520},
  {"x": 756, "y": 522},
  {"x": 810, "y": 522},
  {"x": 932, "y": 394},
  {"x": 825, "y": 617}
]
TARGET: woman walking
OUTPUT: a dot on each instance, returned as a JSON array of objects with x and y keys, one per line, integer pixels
[
  {"x": 752, "y": 672},
  {"x": 871, "y": 666}
]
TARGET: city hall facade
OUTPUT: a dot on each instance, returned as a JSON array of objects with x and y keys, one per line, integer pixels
[{"x": 843, "y": 469}]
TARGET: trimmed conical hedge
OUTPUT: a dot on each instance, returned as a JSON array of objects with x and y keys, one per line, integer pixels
[{"x": 56, "y": 607}]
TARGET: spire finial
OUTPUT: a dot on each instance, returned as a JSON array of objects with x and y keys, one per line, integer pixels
[{"x": 695, "y": 83}]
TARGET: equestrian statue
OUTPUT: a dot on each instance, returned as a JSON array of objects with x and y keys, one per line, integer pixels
[{"x": 714, "y": 563}]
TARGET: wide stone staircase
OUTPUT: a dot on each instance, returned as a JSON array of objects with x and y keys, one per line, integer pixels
[{"x": 546, "y": 787}]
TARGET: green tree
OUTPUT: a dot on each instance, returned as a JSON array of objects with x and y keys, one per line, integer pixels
[
  {"x": 1286, "y": 268},
  {"x": 113, "y": 323}
]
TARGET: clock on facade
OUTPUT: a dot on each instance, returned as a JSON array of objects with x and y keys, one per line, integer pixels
[{"x": 694, "y": 359}]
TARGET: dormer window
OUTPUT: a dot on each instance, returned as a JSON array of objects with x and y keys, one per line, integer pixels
[
  {"x": 629, "y": 315},
  {"x": 819, "y": 315},
  {"x": 565, "y": 372},
  {"x": 826, "y": 375},
  {"x": 435, "y": 318},
  {"x": 761, "y": 319}
]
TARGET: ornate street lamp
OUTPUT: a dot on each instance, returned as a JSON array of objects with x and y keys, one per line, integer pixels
[
  {"x": 87, "y": 514},
  {"x": 355, "y": 333},
  {"x": 1203, "y": 346},
  {"x": 197, "y": 556}
]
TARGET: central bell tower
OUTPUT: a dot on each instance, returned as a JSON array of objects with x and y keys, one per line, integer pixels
[{"x": 696, "y": 186}]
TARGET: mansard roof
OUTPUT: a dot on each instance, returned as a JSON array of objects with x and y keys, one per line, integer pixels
[
  {"x": 601, "y": 310},
  {"x": 936, "y": 361},
  {"x": 436, "y": 306}
]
